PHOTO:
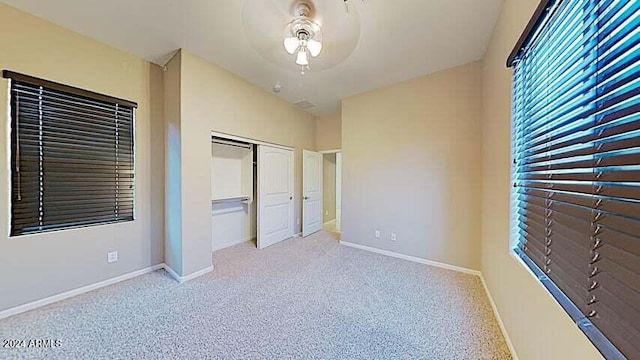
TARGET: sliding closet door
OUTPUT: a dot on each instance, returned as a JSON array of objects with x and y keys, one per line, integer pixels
[{"x": 275, "y": 195}]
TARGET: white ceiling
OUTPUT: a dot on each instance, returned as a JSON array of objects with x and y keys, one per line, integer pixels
[{"x": 398, "y": 40}]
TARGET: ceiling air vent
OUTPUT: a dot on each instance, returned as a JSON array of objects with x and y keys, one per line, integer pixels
[{"x": 304, "y": 104}]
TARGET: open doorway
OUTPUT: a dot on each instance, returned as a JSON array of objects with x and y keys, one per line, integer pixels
[{"x": 332, "y": 192}]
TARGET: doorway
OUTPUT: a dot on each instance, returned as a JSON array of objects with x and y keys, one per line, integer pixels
[{"x": 332, "y": 192}]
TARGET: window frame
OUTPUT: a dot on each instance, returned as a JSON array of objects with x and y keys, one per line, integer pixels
[
  {"x": 11, "y": 76},
  {"x": 597, "y": 338}
]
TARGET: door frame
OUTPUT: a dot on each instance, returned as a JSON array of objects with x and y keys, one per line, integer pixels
[
  {"x": 250, "y": 140},
  {"x": 333, "y": 151}
]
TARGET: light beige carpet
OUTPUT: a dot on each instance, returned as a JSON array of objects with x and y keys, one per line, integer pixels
[
  {"x": 330, "y": 227},
  {"x": 301, "y": 299}
]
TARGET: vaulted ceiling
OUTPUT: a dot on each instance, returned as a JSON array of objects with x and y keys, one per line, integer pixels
[{"x": 368, "y": 43}]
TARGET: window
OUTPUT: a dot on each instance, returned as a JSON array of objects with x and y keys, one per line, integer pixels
[
  {"x": 71, "y": 157},
  {"x": 576, "y": 163}
]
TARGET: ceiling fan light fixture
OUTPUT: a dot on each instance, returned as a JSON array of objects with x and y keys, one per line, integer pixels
[
  {"x": 302, "y": 36},
  {"x": 291, "y": 44},
  {"x": 302, "y": 58},
  {"x": 315, "y": 47}
]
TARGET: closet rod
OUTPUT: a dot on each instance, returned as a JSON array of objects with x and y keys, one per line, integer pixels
[
  {"x": 220, "y": 141},
  {"x": 230, "y": 200}
]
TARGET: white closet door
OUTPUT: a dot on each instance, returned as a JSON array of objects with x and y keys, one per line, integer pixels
[
  {"x": 275, "y": 195},
  {"x": 312, "y": 192}
]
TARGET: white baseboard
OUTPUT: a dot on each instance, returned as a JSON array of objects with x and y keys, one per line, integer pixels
[
  {"x": 412, "y": 258},
  {"x": 71, "y": 293},
  {"x": 196, "y": 274},
  {"x": 450, "y": 267},
  {"x": 183, "y": 279},
  {"x": 172, "y": 273},
  {"x": 234, "y": 243},
  {"x": 499, "y": 319}
]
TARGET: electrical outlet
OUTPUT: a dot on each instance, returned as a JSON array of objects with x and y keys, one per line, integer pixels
[
  {"x": 377, "y": 234},
  {"x": 112, "y": 257},
  {"x": 326, "y": 212},
  {"x": 298, "y": 221},
  {"x": 393, "y": 237}
]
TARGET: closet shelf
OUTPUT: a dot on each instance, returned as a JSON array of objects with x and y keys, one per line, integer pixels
[{"x": 231, "y": 200}]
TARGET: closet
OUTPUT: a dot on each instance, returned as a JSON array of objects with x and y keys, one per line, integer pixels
[
  {"x": 233, "y": 205},
  {"x": 252, "y": 192}
]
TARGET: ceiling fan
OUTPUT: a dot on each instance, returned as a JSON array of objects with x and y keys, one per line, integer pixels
[{"x": 302, "y": 34}]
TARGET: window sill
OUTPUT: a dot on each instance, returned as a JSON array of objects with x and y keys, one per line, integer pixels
[
  {"x": 54, "y": 232},
  {"x": 606, "y": 348}
]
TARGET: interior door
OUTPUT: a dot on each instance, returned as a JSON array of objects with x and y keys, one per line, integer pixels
[
  {"x": 275, "y": 195},
  {"x": 311, "y": 192}
]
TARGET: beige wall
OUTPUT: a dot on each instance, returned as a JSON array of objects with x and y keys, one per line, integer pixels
[
  {"x": 213, "y": 99},
  {"x": 329, "y": 187},
  {"x": 157, "y": 157},
  {"x": 329, "y": 132},
  {"x": 173, "y": 170},
  {"x": 411, "y": 164},
  {"x": 42, "y": 265},
  {"x": 537, "y": 326}
]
